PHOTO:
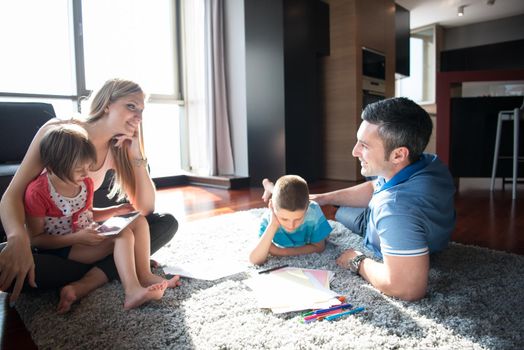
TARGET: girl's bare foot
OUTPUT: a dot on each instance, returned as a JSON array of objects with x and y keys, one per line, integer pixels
[
  {"x": 67, "y": 297},
  {"x": 142, "y": 295},
  {"x": 173, "y": 282},
  {"x": 268, "y": 189}
]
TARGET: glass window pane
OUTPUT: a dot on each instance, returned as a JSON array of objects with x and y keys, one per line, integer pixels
[
  {"x": 135, "y": 39},
  {"x": 161, "y": 138},
  {"x": 36, "y": 47},
  {"x": 412, "y": 86},
  {"x": 131, "y": 39},
  {"x": 420, "y": 85}
]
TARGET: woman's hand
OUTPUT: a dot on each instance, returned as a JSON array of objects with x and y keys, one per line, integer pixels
[
  {"x": 130, "y": 141},
  {"x": 16, "y": 263},
  {"x": 142, "y": 196}
]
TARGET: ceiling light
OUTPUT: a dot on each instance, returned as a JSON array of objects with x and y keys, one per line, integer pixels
[{"x": 460, "y": 11}]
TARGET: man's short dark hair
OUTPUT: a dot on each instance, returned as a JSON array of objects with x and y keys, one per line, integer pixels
[{"x": 401, "y": 123}]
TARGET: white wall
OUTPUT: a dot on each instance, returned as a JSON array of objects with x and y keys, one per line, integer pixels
[
  {"x": 493, "y": 88},
  {"x": 485, "y": 33}
]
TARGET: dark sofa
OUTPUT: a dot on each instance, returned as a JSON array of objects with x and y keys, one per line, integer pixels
[{"x": 19, "y": 123}]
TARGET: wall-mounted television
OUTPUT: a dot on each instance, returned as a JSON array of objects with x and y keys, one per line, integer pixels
[{"x": 373, "y": 64}]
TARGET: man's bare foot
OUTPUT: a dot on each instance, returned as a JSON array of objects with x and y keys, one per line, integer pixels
[
  {"x": 67, "y": 297},
  {"x": 268, "y": 190},
  {"x": 173, "y": 282},
  {"x": 143, "y": 295}
]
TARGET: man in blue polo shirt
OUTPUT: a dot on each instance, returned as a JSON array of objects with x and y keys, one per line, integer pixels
[{"x": 407, "y": 212}]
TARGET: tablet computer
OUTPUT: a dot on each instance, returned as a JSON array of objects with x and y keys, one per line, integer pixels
[{"x": 115, "y": 224}]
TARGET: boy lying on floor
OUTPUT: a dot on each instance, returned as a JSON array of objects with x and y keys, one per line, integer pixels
[{"x": 294, "y": 225}]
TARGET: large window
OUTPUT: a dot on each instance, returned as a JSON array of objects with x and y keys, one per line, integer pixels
[
  {"x": 131, "y": 38},
  {"x": 56, "y": 51}
]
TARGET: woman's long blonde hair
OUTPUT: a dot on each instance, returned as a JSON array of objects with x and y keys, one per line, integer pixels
[{"x": 123, "y": 184}]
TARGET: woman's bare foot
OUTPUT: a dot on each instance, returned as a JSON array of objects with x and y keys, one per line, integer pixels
[
  {"x": 173, "y": 282},
  {"x": 268, "y": 190},
  {"x": 142, "y": 295},
  {"x": 74, "y": 291},
  {"x": 67, "y": 297},
  {"x": 153, "y": 263}
]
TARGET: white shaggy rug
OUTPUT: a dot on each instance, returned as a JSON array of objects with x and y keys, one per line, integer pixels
[{"x": 475, "y": 300}]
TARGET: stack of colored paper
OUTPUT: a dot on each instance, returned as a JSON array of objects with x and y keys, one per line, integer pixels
[{"x": 293, "y": 289}]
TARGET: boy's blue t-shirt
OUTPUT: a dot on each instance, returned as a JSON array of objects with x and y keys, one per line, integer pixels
[{"x": 314, "y": 229}]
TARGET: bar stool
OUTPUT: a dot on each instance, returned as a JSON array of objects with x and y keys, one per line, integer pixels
[{"x": 514, "y": 115}]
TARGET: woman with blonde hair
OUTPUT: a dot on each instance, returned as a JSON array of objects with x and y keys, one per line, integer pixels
[{"x": 114, "y": 128}]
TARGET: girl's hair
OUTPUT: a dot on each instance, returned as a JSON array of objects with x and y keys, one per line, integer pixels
[
  {"x": 123, "y": 183},
  {"x": 291, "y": 193},
  {"x": 65, "y": 146}
]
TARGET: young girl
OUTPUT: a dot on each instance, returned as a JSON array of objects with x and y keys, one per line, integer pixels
[{"x": 62, "y": 221}]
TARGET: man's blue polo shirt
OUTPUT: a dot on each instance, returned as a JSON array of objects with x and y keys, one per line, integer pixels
[{"x": 413, "y": 213}]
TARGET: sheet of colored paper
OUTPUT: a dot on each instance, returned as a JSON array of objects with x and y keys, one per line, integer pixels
[{"x": 209, "y": 271}]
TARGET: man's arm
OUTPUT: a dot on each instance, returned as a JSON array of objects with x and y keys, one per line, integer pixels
[
  {"x": 357, "y": 196},
  {"x": 403, "y": 277}
]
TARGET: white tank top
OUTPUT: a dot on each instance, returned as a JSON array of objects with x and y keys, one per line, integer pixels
[{"x": 99, "y": 175}]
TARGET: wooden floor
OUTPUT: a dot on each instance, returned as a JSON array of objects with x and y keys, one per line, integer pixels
[{"x": 483, "y": 218}]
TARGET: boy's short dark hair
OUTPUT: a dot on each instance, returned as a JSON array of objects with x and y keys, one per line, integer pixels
[
  {"x": 65, "y": 146},
  {"x": 291, "y": 193},
  {"x": 401, "y": 123}
]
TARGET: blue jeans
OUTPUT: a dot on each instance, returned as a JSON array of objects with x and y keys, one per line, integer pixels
[{"x": 355, "y": 219}]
